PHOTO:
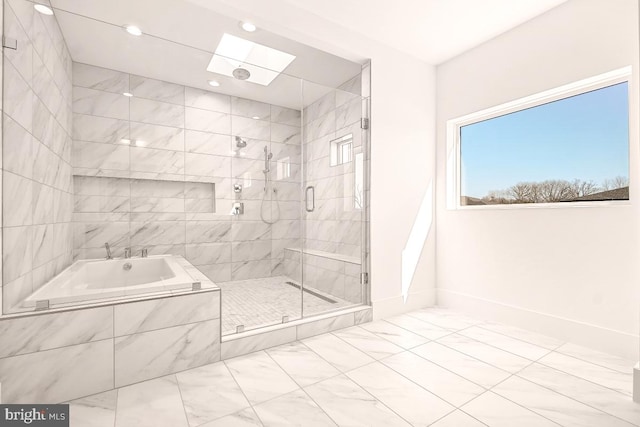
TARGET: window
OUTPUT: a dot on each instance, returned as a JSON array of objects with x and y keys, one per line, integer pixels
[
  {"x": 341, "y": 149},
  {"x": 567, "y": 145}
]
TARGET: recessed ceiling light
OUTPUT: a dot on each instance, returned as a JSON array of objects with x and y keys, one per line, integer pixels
[
  {"x": 248, "y": 27},
  {"x": 128, "y": 94},
  {"x": 139, "y": 143},
  {"x": 125, "y": 141},
  {"x": 45, "y": 10},
  {"x": 133, "y": 30},
  {"x": 214, "y": 83},
  {"x": 255, "y": 118}
]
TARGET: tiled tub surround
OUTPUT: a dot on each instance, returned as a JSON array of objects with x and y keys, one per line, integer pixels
[
  {"x": 335, "y": 226},
  {"x": 53, "y": 357},
  {"x": 36, "y": 152},
  {"x": 155, "y": 191}
]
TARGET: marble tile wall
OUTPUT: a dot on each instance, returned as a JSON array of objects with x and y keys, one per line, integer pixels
[
  {"x": 54, "y": 357},
  {"x": 157, "y": 171},
  {"x": 335, "y": 224},
  {"x": 36, "y": 151}
]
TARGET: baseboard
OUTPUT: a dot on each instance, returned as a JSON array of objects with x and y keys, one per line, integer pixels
[
  {"x": 394, "y": 306},
  {"x": 597, "y": 337}
]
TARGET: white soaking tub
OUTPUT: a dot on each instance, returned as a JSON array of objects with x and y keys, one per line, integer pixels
[{"x": 91, "y": 280}]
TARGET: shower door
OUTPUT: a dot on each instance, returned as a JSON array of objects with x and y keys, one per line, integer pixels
[{"x": 334, "y": 241}]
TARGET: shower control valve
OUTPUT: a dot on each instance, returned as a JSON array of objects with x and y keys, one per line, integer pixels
[{"x": 237, "y": 188}]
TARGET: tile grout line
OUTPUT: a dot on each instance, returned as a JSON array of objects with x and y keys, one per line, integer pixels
[
  {"x": 456, "y": 410},
  {"x": 490, "y": 389},
  {"x": 579, "y": 377},
  {"x": 241, "y": 390},
  {"x": 520, "y": 339},
  {"x": 566, "y": 396},
  {"x": 302, "y": 388},
  {"x": 182, "y": 401}
]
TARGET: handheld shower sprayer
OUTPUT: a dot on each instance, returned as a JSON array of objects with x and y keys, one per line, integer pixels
[
  {"x": 267, "y": 157},
  {"x": 268, "y": 184}
]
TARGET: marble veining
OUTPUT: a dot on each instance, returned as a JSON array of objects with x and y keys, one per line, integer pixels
[
  {"x": 301, "y": 383},
  {"x": 151, "y": 354},
  {"x": 161, "y": 313},
  {"x": 210, "y": 393},
  {"x": 266, "y": 381},
  {"x": 97, "y": 78}
]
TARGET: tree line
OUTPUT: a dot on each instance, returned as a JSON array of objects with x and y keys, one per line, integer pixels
[{"x": 552, "y": 190}]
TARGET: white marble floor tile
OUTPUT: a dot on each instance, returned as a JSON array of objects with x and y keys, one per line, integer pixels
[
  {"x": 337, "y": 352},
  {"x": 445, "y": 384},
  {"x": 302, "y": 364},
  {"x": 458, "y": 419},
  {"x": 98, "y": 410},
  {"x": 444, "y": 318},
  {"x": 210, "y": 392},
  {"x": 154, "y": 403},
  {"x": 292, "y": 409},
  {"x": 523, "y": 334},
  {"x": 395, "y": 334},
  {"x": 370, "y": 343},
  {"x": 260, "y": 377},
  {"x": 503, "y": 342},
  {"x": 419, "y": 327},
  {"x": 245, "y": 418},
  {"x": 496, "y": 411},
  {"x": 349, "y": 405},
  {"x": 597, "y": 358},
  {"x": 486, "y": 353},
  {"x": 404, "y": 397},
  {"x": 554, "y": 406},
  {"x": 466, "y": 366},
  {"x": 599, "y": 397},
  {"x": 609, "y": 378}
]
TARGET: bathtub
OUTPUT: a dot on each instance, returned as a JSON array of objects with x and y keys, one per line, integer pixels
[{"x": 91, "y": 280}]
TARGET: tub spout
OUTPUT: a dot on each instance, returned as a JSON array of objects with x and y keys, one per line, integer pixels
[
  {"x": 127, "y": 253},
  {"x": 145, "y": 253},
  {"x": 106, "y": 246}
]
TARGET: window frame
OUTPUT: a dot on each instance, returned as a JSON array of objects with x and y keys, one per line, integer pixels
[{"x": 453, "y": 142}]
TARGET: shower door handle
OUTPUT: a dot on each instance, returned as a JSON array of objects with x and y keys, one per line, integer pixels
[{"x": 313, "y": 198}]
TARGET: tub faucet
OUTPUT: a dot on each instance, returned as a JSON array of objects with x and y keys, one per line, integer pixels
[
  {"x": 145, "y": 253},
  {"x": 127, "y": 253},
  {"x": 106, "y": 246}
]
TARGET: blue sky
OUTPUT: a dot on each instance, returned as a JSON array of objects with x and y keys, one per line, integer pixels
[{"x": 583, "y": 137}]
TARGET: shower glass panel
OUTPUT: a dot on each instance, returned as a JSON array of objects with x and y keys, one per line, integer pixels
[
  {"x": 265, "y": 176},
  {"x": 335, "y": 181}
]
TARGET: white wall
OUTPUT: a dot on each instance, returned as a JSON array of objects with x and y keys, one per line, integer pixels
[
  {"x": 569, "y": 272},
  {"x": 402, "y": 144}
]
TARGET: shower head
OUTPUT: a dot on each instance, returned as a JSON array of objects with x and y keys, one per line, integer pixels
[
  {"x": 240, "y": 143},
  {"x": 241, "y": 73}
]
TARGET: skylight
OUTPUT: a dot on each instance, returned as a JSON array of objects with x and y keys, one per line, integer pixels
[{"x": 264, "y": 63}]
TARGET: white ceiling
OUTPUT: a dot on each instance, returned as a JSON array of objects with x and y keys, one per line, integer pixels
[
  {"x": 432, "y": 30},
  {"x": 181, "y": 35},
  {"x": 178, "y": 42}
]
